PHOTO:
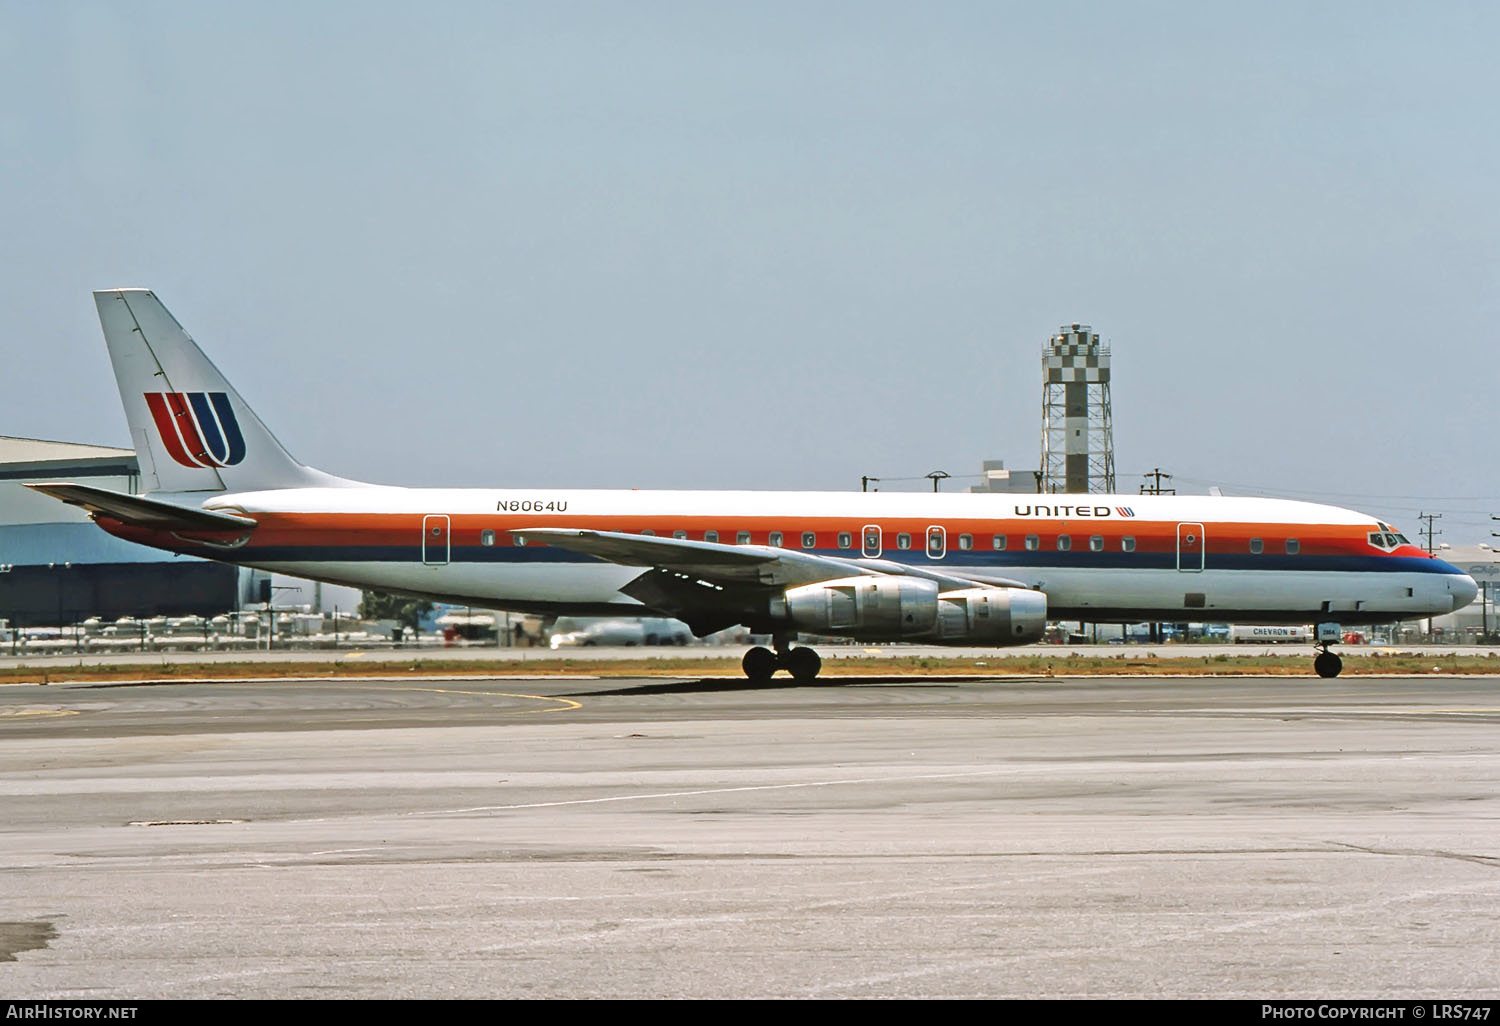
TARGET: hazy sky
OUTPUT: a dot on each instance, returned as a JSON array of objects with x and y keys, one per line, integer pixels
[{"x": 776, "y": 245}]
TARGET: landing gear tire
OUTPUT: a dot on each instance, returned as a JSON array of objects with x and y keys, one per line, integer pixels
[
  {"x": 803, "y": 664},
  {"x": 759, "y": 664},
  {"x": 1328, "y": 665}
]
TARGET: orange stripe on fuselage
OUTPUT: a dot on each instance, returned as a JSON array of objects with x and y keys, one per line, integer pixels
[{"x": 384, "y": 529}]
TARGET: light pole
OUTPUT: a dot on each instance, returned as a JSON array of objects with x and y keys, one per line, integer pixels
[{"x": 936, "y": 476}]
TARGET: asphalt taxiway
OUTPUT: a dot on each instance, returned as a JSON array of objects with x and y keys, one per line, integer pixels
[{"x": 871, "y": 837}]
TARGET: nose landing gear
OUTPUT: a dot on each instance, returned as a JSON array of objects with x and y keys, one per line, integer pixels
[
  {"x": 802, "y": 663},
  {"x": 1327, "y": 664}
]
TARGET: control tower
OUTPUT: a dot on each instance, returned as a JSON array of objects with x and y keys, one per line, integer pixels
[{"x": 1078, "y": 443}]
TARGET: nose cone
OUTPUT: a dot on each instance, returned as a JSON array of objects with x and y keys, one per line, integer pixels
[{"x": 1463, "y": 589}]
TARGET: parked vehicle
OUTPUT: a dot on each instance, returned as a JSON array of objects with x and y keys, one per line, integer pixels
[
  {"x": 570, "y": 632},
  {"x": 1271, "y": 635}
]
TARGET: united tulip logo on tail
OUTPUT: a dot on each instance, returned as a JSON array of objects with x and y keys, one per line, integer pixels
[{"x": 198, "y": 428}]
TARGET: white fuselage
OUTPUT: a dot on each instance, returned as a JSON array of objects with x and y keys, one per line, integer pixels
[{"x": 1096, "y": 557}]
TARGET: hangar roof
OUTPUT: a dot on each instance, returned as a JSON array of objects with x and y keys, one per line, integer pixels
[
  {"x": 23, "y": 457},
  {"x": 36, "y": 450}
]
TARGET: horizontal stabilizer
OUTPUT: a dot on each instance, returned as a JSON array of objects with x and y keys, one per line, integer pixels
[{"x": 153, "y": 514}]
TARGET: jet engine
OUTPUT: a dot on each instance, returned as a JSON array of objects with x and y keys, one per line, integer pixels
[
  {"x": 991, "y": 616},
  {"x": 882, "y": 608}
]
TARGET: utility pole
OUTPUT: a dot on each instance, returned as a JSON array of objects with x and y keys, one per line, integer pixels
[
  {"x": 1156, "y": 489},
  {"x": 1485, "y": 600},
  {"x": 865, "y": 482},
  {"x": 936, "y": 475},
  {"x": 1430, "y": 517}
]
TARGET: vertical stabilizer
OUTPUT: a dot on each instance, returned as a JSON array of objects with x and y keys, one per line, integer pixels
[{"x": 191, "y": 430}]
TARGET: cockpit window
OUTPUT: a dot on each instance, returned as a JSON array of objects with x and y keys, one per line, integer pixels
[{"x": 1387, "y": 539}]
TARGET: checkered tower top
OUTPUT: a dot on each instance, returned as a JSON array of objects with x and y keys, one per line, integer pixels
[{"x": 1075, "y": 355}]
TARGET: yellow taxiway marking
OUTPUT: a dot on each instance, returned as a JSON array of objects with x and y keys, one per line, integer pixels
[
  {"x": 564, "y": 704},
  {"x": 17, "y": 713}
]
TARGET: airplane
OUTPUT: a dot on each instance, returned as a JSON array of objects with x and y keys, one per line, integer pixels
[{"x": 967, "y": 569}]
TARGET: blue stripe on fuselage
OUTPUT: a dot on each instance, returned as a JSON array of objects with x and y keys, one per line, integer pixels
[{"x": 956, "y": 562}]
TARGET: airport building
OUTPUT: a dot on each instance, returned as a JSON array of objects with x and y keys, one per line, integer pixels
[
  {"x": 57, "y": 567},
  {"x": 993, "y": 477}
]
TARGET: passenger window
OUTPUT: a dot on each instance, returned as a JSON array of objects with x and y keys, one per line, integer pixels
[
  {"x": 809, "y": 540},
  {"x": 1096, "y": 543},
  {"x": 1064, "y": 542},
  {"x": 486, "y": 537},
  {"x": 1293, "y": 546},
  {"x": 1127, "y": 544},
  {"x": 998, "y": 542},
  {"x": 1257, "y": 546},
  {"x": 966, "y": 541},
  {"x": 845, "y": 539},
  {"x": 648, "y": 531},
  {"x": 774, "y": 539},
  {"x": 743, "y": 538},
  {"x": 519, "y": 540},
  {"x": 679, "y": 534},
  {"x": 1033, "y": 543},
  {"x": 711, "y": 536},
  {"x": 903, "y": 540}
]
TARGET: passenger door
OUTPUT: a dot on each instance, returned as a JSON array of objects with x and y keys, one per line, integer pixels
[
  {"x": 1190, "y": 548},
  {"x": 435, "y": 542}
]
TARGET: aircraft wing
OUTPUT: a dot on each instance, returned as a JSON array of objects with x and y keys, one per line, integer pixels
[
  {"x": 154, "y": 514},
  {"x": 730, "y": 565}
]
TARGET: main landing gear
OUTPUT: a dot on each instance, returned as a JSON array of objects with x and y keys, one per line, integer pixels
[
  {"x": 802, "y": 663},
  {"x": 1327, "y": 664}
]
